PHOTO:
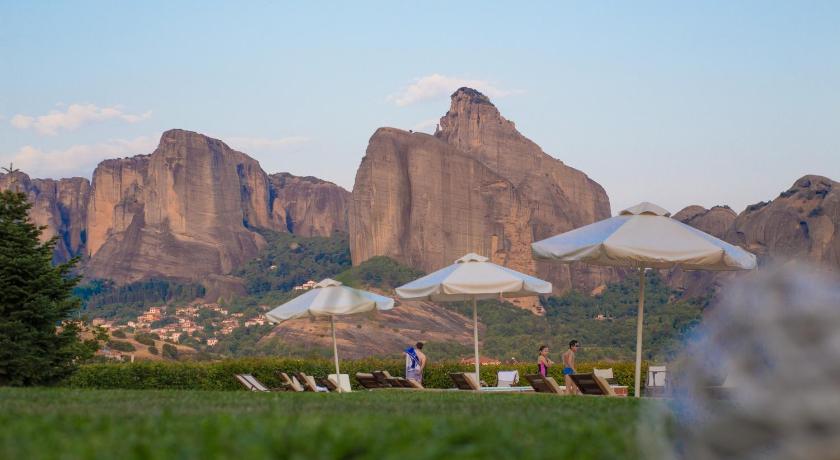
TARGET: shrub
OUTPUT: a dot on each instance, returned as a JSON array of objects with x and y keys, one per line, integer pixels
[
  {"x": 219, "y": 375},
  {"x": 145, "y": 339},
  {"x": 153, "y": 350},
  {"x": 170, "y": 351},
  {"x": 119, "y": 345},
  {"x": 118, "y": 334}
]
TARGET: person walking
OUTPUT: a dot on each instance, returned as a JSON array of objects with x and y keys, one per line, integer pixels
[
  {"x": 415, "y": 362},
  {"x": 569, "y": 366}
]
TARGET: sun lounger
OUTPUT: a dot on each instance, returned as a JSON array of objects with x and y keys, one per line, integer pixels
[
  {"x": 385, "y": 379},
  {"x": 368, "y": 381},
  {"x": 309, "y": 383},
  {"x": 413, "y": 384},
  {"x": 591, "y": 384},
  {"x": 328, "y": 383},
  {"x": 656, "y": 381},
  {"x": 607, "y": 374},
  {"x": 290, "y": 383},
  {"x": 507, "y": 378},
  {"x": 465, "y": 381},
  {"x": 246, "y": 382},
  {"x": 250, "y": 382},
  {"x": 343, "y": 381},
  {"x": 394, "y": 382},
  {"x": 545, "y": 384}
]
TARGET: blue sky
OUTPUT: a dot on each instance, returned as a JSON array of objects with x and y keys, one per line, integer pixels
[{"x": 672, "y": 102}]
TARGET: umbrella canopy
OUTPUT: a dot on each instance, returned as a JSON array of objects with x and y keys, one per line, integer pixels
[
  {"x": 644, "y": 236},
  {"x": 473, "y": 277},
  {"x": 330, "y": 298}
]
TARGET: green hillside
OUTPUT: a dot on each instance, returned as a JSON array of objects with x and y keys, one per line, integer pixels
[{"x": 605, "y": 323}]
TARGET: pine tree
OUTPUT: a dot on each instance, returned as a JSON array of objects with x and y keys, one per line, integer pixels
[{"x": 36, "y": 345}]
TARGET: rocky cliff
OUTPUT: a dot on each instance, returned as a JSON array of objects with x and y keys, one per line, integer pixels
[
  {"x": 58, "y": 205},
  {"x": 186, "y": 211},
  {"x": 717, "y": 222},
  {"x": 477, "y": 185},
  {"x": 802, "y": 223},
  {"x": 189, "y": 210},
  {"x": 309, "y": 206}
]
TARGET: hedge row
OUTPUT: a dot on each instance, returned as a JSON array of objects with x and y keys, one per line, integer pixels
[{"x": 220, "y": 375}]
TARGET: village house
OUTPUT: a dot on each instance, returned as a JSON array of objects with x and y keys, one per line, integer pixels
[{"x": 305, "y": 286}]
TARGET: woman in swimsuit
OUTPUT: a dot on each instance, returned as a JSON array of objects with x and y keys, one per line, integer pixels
[{"x": 543, "y": 362}]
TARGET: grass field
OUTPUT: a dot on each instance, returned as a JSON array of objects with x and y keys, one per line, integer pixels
[{"x": 148, "y": 424}]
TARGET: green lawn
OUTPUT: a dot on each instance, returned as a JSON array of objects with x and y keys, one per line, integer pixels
[{"x": 127, "y": 424}]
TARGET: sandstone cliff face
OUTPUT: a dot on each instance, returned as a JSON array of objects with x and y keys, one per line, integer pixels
[
  {"x": 716, "y": 221},
  {"x": 308, "y": 206},
  {"x": 803, "y": 223},
  {"x": 182, "y": 212},
  {"x": 59, "y": 205},
  {"x": 478, "y": 185},
  {"x": 188, "y": 211}
]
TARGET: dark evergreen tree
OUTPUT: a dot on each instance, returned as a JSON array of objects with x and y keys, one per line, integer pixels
[{"x": 37, "y": 345}]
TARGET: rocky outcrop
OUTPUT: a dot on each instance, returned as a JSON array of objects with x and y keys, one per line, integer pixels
[
  {"x": 716, "y": 221},
  {"x": 803, "y": 223},
  {"x": 189, "y": 211},
  {"x": 186, "y": 211},
  {"x": 58, "y": 205},
  {"x": 477, "y": 185},
  {"x": 308, "y": 206}
]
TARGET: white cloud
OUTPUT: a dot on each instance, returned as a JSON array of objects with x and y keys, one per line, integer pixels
[
  {"x": 437, "y": 85},
  {"x": 245, "y": 144},
  {"x": 75, "y": 116},
  {"x": 77, "y": 160}
]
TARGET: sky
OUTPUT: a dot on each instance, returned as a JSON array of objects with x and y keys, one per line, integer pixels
[{"x": 677, "y": 103}]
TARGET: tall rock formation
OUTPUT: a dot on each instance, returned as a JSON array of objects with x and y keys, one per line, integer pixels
[
  {"x": 188, "y": 211},
  {"x": 803, "y": 223},
  {"x": 183, "y": 212},
  {"x": 58, "y": 205},
  {"x": 717, "y": 222},
  {"x": 308, "y": 206},
  {"x": 477, "y": 185}
]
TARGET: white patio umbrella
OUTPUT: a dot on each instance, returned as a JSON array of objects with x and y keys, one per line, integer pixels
[
  {"x": 473, "y": 277},
  {"x": 644, "y": 236},
  {"x": 330, "y": 298}
]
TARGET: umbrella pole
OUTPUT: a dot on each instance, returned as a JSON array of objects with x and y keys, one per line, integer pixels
[
  {"x": 335, "y": 354},
  {"x": 475, "y": 338},
  {"x": 639, "y": 322}
]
